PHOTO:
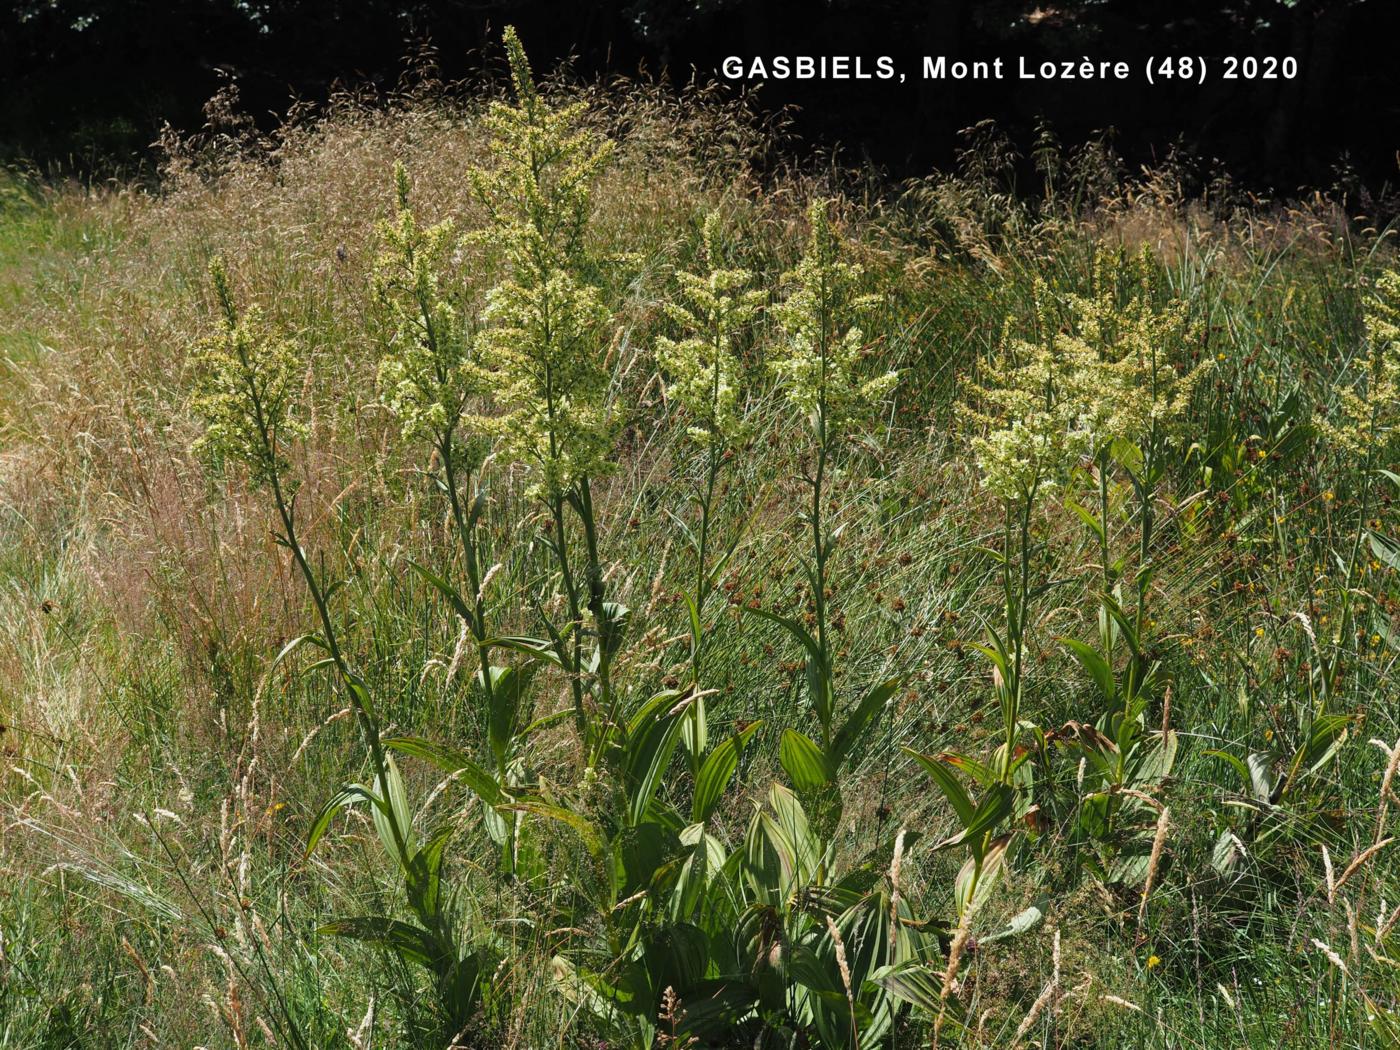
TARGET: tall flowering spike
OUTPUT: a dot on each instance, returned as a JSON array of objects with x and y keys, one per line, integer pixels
[
  {"x": 1122, "y": 354},
  {"x": 427, "y": 374},
  {"x": 521, "y": 79},
  {"x": 1106, "y": 376},
  {"x": 1033, "y": 421},
  {"x": 1368, "y": 414},
  {"x": 545, "y": 333},
  {"x": 715, "y": 306},
  {"x": 819, "y": 359},
  {"x": 245, "y": 388}
]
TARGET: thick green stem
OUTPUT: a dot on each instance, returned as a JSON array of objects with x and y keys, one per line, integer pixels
[
  {"x": 369, "y": 724},
  {"x": 1329, "y": 681},
  {"x": 575, "y": 669},
  {"x": 702, "y": 593},
  {"x": 561, "y": 541},
  {"x": 1103, "y": 522},
  {"x": 713, "y": 460},
  {"x": 1016, "y": 593},
  {"x": 702, "y": 578},
  {"x": 466, "y": 537},
  {"x": 1145, "y": 492},
  {"x": 819, "y": 583},
  {"x": 597, "y": 605}
]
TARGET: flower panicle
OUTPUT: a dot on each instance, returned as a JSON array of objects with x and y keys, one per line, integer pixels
[
  {"x": 246, "y": 383},
  {"x": 1367, "y": 417},
  {"x": 544, "y": 330},
  {"x": 1105, "y": 375},
  {"x": 819, "y": 359},
  {"x": 713, "y": 309},
  {"x": 428, "y": 373}
]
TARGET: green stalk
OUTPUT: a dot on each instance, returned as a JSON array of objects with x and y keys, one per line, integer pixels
[
  {"x": 597, "y": 595},
  {"x": 702, "y": 581},
  {"x": 819, "y": 559},
  {"x": 561, "y": 540},
  {"x": 818, "y": 547},
  {"x": 1329, "y": 680},
  {"x": 446, "y": 447},
  {"x": 471, "y": 557},
  {"x": 1145, "y": 491},
  {"x": 714, "y": 460},
  {"x": 369, "y": 725},
  {"x": 702, "y": 593},
  {"x": 1106, "y": 633},
  {"x": 1016, "y": 596},
  {"x": 575, "y": 669}
]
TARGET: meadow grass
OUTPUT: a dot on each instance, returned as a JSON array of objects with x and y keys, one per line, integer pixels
[{"x": 161, "y": 770}]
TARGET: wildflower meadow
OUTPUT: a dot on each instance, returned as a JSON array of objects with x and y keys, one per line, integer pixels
[{"x": 543, "y": 570}]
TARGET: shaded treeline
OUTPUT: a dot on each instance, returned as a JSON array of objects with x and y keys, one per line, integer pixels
[{"x": 87, "y": 82}]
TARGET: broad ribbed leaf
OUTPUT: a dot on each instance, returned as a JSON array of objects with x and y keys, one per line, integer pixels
[
  {"x": 864, "y": 716},
  {"x": 716, "y": 772},
  {"x": 508, "y": 687},
  {"x": 410, "y": 942},
  {"x": 581, "y": 824},
  {"x": 947, "y": 783},
  {"x": 450, "y": 760},
  {"x": 1098, "y": 668},
  {"x": 914, "y": 983},
  {"x": 652, "y": 738},
  {"x": 347, "y": 796},
  {"x": 804, "y": 762},
  {"x": 977, "y": 879},
  {"x": 394, "y": 814},
  {"x": 459, "y": 605}
]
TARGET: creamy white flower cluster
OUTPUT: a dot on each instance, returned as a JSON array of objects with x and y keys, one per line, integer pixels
[
  {"x": 245, "y": 385},
  {"x": 1106, "y": 376},
  {"x": 819, "y": 358},
  {"x": 1368, "y": 414},
  {"x": 714, "y": 308},
  {"x": 427, "y": 374},
  {"x": 544, "y": 340}
]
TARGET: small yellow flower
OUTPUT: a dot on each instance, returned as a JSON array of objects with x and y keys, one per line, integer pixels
[
  {"x": 1220, "y": 357},
  {"x": 1329, "y": 495},
  {"x": 1259, "y": 632},
  {"x": 1268, "y": 734},
  {"x": 1153, "y": 961}
]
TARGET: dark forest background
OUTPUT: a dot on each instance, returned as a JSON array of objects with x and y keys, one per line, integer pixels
[{"x": 87, "y": 84}]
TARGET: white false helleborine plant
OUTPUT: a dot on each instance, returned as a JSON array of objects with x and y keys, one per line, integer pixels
[
  {"x": 545, "y": 325},
  {"x": 1370, "y": 413},
  {"x": 715, "y": 306},
  {"x": 247, "y": 379},
  {"x": 1076, "y": 392},
  {"x": 819, "y": 359},
  {"x": 427, "y": 374}
]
